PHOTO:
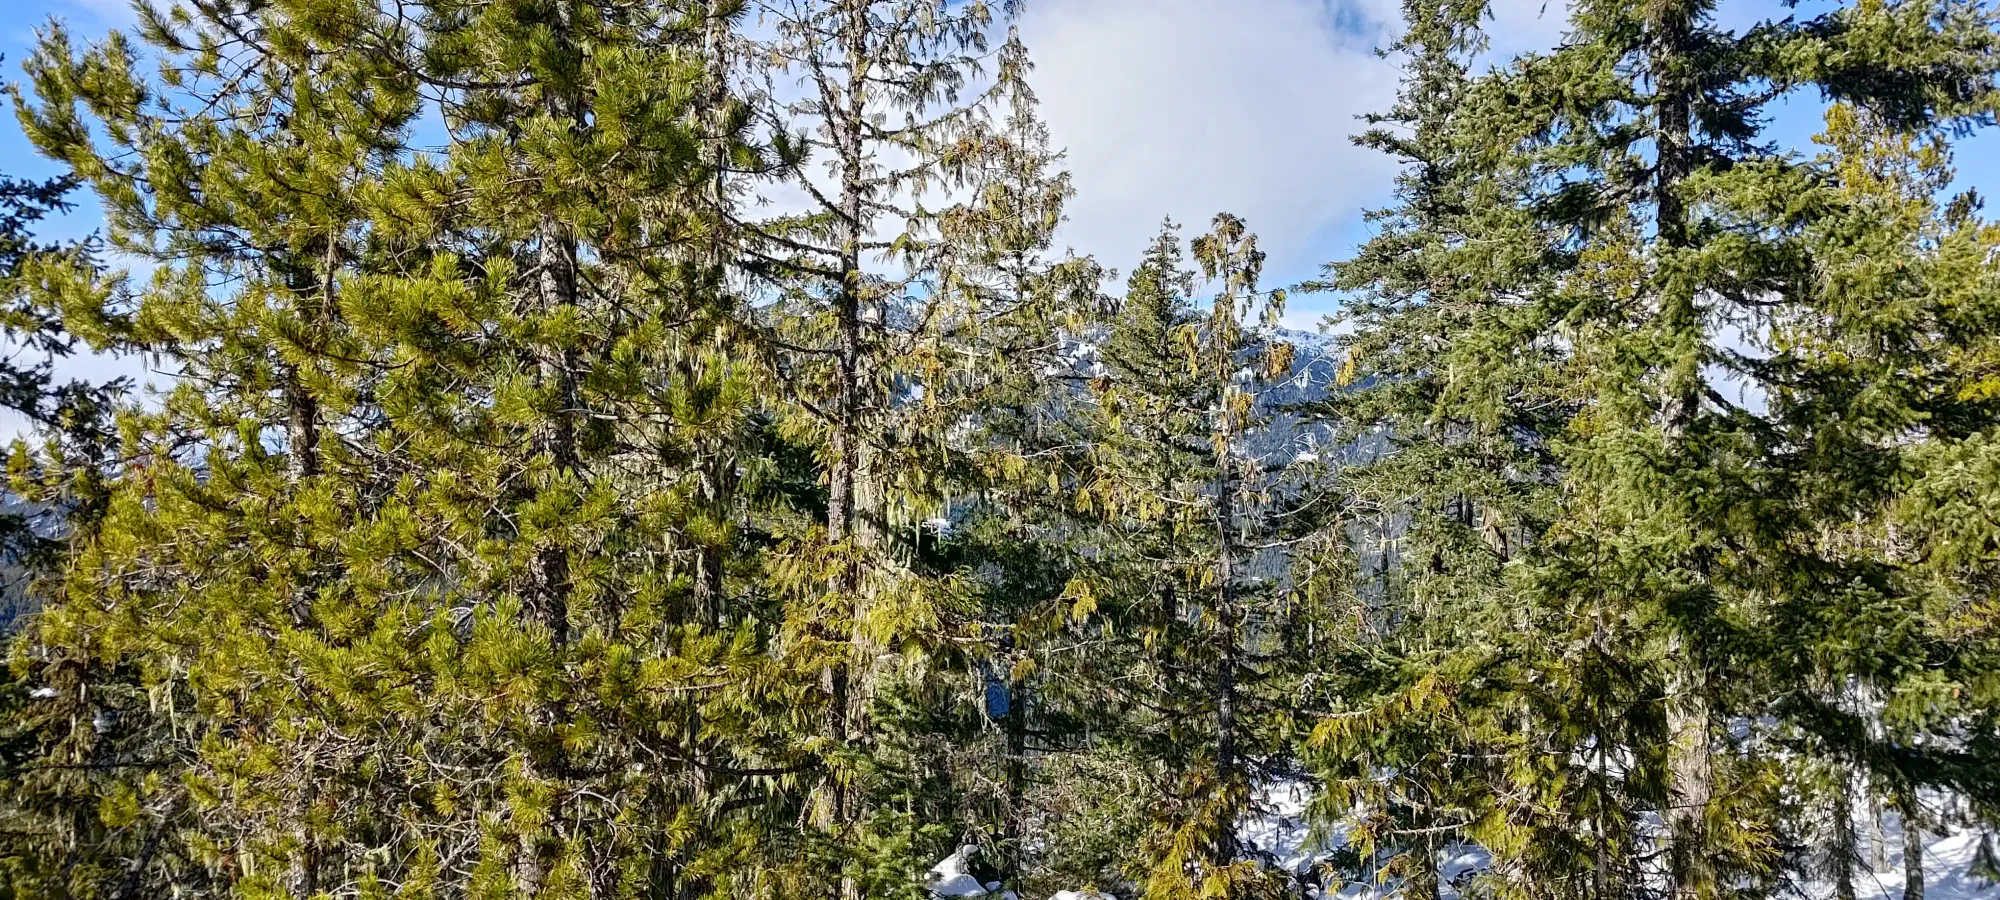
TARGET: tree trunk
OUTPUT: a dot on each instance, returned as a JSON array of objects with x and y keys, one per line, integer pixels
[
  {"x": 557, "y": 261},
  {"x": 302, "y": 421},
  {"x": 302, "y": 875},
  {"x": 851, "y": 496},
  {"x": 301, "y": 425},
  {"x": 1878, "y": 843},
  {"x": 862, "y": 316},
  {"x": 1912, "y": 812},
  {"x": 1690, "y": 772},
  {"x": 712, "y": 118},
  {"x": 1841, "y": 855},
  {"x": 549, "y": 577},
  {"x": 1227, "y": 621},
  {"x": 310, "y": 288},
  {"x": 1690, "y": 777},
  {"x": 1013, "y": 855}
]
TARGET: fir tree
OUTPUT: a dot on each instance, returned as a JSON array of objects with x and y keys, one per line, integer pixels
[
  {"x": 1869, "y": 379},
  {"x": 1185, "y": 490},
  {"x": 900, "y": 102},
  {"x": 1428, "y": 687},
  {"x": 1619, "y": 169}
]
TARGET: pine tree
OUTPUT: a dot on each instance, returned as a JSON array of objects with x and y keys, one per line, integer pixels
[
  {"x": 214, "y": 202},
  {"x": 1185, "y": 490},
  {"x": 425, "y": 492},
  {"x": 77, "y": 745},
  {"x": 72, "y": 414}
]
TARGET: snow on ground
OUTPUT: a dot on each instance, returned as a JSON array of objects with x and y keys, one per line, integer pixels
[
  {"x": 952, "y": 877},
  {"x": 1281, "y": 835},
  {"x": 1949, "y": 859}
]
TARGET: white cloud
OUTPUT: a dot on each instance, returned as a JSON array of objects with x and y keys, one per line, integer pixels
[{"x": 1186, "y": 108}]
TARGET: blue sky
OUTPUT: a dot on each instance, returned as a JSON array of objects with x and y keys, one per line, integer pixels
[{"x": 1175, "y": 107}]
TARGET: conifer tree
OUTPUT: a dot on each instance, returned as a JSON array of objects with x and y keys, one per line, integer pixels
[
  {"x": 1625, "y": 157},
  {"x": 1872, "y": 377},
  {"x": 75, "y": 736},
  {"x": 218, "y": 188},
  {"x": 71, "y": 414},
  {"x": 893, "y": 307},
  {"x": 423, "y": 492},
  {"x": 1184, "y": 490},
  {"x": 1423, "y": 702},
  {"x": 1000, "y": 376}
]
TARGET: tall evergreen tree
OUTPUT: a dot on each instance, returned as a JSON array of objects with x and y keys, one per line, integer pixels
[
  {"x": 1664, "y": 571},
  {"x": 1873, "y": 378},
  {"x": 1184, "y": 487},
  {"x": 71, "y": 740},
  {"x": 898, "y": 290},
  {"x": 1001, "y": 376},
  {"x": 1446, "y": 402},
  {"x": 410, "y": 532}
]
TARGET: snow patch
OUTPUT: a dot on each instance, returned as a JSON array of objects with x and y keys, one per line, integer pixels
[
  {"x": 1281, "y": 836},
  {"x": 952, "y": 876},
  {"x": 1081, "y": 895}
]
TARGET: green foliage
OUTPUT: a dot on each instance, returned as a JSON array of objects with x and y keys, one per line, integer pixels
[
  {"x": 1184, "y": 494},
  {"x": 531, "y": 513},
  {"x": 1621, "y": 593}
]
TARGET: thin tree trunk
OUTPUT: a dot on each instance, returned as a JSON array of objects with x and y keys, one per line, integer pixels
[
  {"x": 301, "y": 425},
  {"x": 843, "y": 439},
  {"x": 1690, "y": 770},
  {"x": 557, "y": 261},
  {"x": 302, "y": 412},
  {"x": 1841, "y": 855},
  {"x": 1878, "y": 843},
  {"x": 850, "y": 499},
  {"x": 1227, "y": 622},
  {"x": 1690, "y": 777},
  {"x": 712, "y": 117},
  {"x": 1605, "y": 871},
  {"x": 863, "y": 316},
  {"x": 1913, "y": 843},
  {"x": 716, "y": 479},
  {"x": 1017, "y": 782},
  {"x": 549, "y": 576}
]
